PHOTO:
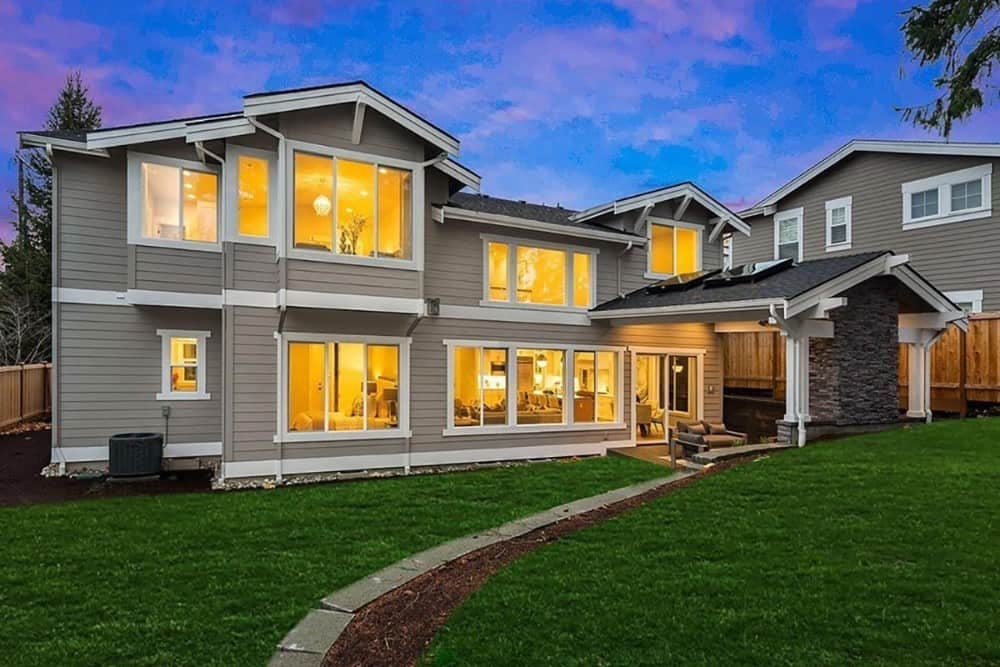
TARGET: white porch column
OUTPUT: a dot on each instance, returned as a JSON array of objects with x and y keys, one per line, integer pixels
[
  {"x": 919, "y": 381},
  {"x": 797, "y": 383},
  {"x": 791, "y": 378}
]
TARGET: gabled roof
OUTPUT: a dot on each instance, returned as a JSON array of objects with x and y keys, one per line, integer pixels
[
  {"x": 526, "y": 215},
  {"x": 873, "y": 146},
  {"x": 652, "y": 197}
]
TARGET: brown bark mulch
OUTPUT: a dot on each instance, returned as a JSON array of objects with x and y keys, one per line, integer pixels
[
  {"x": 396, "y": 628},
  {"x": 24, "y": 452}
]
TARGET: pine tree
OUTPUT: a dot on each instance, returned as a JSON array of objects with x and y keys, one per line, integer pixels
[
  {"x": 25, "y": 283},
  {"x": 964, "y": 36}
]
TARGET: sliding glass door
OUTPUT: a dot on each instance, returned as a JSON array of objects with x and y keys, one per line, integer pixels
[{"x": 666, "y": 392}]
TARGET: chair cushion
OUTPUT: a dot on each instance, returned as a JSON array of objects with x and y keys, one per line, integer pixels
[
  {"x": 697, "y": 429},
  {"x": 714, "y": 441},
  {"x": 717, "y": 429}
]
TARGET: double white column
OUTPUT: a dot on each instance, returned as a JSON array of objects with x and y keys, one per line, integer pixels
[{"x": 797, "y": 383}]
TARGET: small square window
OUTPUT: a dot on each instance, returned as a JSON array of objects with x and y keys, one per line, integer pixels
[
  {"x": 183, "y": 365},
  {"x": 967, "y": 195},
  {"x": 923, "y": 204}
]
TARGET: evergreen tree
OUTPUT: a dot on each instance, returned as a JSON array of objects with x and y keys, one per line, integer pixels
[
  {"x": 964, "y": 36},
  {"x": 26, "y": 280}
]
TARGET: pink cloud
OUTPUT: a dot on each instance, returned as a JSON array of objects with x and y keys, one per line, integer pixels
[{"x": 825, "y": 20}]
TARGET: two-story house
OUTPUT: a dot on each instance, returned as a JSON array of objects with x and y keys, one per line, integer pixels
[
  {"x": 300, "y": 286},
  {"x": 932, "y": 200}
]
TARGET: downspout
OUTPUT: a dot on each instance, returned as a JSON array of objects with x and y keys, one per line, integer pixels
[
  {"x": 54, "y": 373},
  {"x": 281, "y": 252},
  {"x": 409, "y": 450},
  {"x": 202, "y": 152},
  {"x": 621, "y": 255}
]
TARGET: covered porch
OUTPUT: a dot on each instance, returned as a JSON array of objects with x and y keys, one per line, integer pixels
[{"x": 841, "y": 320}]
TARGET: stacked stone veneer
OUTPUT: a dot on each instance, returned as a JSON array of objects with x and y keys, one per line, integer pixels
[{"x": 853, "y": 376}]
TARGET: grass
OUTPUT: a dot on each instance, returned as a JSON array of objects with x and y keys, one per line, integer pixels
[
  {"x": 205, "y": 579},
  {"x": 879, "y": 549}
]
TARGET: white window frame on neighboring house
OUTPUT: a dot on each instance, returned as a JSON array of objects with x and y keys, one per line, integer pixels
[
  {"x": 134, "y": 196},
  {"x": 513, "y": 243},
  {"x": 568, "y": 422},
  {"x": 675, "y": 224},
  {"x": 845, "y": 203},
  {"x": 972, "y": 298},
  {"x": 232, "y": 180},
  {"x": 790, "y": 214},
  {"x": 942, "y": 184},
  {"x": 728, "y": 246},
  {"x": 201, "y": 349}
]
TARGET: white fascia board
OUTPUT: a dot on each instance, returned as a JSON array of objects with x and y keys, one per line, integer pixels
[
  {"x": 693, "y": 309},
  {"x": 537, "y": 225},
  {"x": 221, "y": 129},
  {"x": 138, "y": 134},
  {"x": 930, "y": 294},
  {"x": 877, "y": 146},
  {"x": 684, "y": 190},
  {"x": 379, "y": 304},
  {"x": 29, "y": 140},
  {"x": 460, "y": 173},
  {"x": 346, "y": 94},
  {"x": 878, "y": 266}
]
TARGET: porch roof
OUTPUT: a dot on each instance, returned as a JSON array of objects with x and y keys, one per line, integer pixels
[{"x": 793, "y": 281}]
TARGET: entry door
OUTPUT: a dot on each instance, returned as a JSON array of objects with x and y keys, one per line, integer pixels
[{"x": 682, "y": 387}]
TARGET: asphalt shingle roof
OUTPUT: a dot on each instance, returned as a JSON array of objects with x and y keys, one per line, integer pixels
[
  {"x": 786, "y": 284},
  {"x": 521, "y": 209}
]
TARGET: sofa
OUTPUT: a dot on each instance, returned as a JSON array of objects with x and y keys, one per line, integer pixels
[{"x": 700, "y": 436}]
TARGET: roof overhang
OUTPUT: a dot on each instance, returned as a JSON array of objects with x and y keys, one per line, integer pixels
[
  {"x": 579, "y": 231},
  {"x": 351, "y": 93},
  {"x": 31, "y": 140},
  {"x": 815, "y": 302},
  {"x": 683, "y": 191},
  {"x": 460, "y": 173},
  {"x": 872, "y": 146},
  {"x": 138, "y": 134}
]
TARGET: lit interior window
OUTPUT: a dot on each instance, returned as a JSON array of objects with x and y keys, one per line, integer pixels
[
  {"x": 541, "y": 276},
  {"x": 313, "y": 202},
  {"x": 480, "y": 386},
  {"x": 581, "y": 279},
  {"x": 498, "y": 273},
  {"x": 355, "y": 208},
  {"x": 687, "y": 250},
  {"x": 394, "y": 212},
  {"x": 662, "y": 249},
  {"x": 594, "y": 380},
  {"x": 183, "y": 364},
  {"x": 252, "y": 196},
  {"x": 342, "y": 386},
  {"x": 673, "y": 250},
  {"x": 179, "y": 204},
  {"x": 540, "y": 387}
]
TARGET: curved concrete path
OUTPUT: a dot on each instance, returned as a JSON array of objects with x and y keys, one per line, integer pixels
[{"x": 307, "y": 643}]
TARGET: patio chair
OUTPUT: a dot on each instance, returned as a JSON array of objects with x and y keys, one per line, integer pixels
[{"x": 702, "y": 436}]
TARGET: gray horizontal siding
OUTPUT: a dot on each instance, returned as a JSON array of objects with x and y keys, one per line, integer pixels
[
  {"x": 109, "y": 371},
  {"x": 337, "y": 278},
  {"x": 176, "y": 270},
  {"x": 90, "y": 234},
  {"x": 254, "y": 386},
  {"x": 955, "y": 256},
  {"x": 253, "y": 267},
  {"x": 332, "y": 126}
]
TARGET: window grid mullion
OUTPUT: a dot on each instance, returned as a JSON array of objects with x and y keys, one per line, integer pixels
[
  {"x": 333, "y": 209},
  {"x": 512, "y": 249},
  {"x": 180, "y": 204},
  {"x": 375, "y": 211},
  {"x": 326, "y": 385}
]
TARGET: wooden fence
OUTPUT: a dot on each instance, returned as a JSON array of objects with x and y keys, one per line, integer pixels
[
  {"x": 964, "y": 366},
  {"x": 24, "y": 392}
]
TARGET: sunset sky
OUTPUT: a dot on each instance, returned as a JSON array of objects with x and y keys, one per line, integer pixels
[{"x": 554, "y": 101}]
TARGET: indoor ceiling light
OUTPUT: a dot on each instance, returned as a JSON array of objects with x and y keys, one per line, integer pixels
[
  {"x": 188, "y": 186},
  {"x": 322, "y": 205},
  {"x": 542, "y": 361},
  {"x": 364, "y": 193}
]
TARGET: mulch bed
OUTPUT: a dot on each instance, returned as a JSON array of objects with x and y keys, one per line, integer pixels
[
  {"x": 23, "y": 454},
  {"x": 396, "y": 628}
]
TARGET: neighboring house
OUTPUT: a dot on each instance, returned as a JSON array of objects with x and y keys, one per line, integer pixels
[
  {"x": 300, "y": 286},
  {"x": 934, "y": 201}
]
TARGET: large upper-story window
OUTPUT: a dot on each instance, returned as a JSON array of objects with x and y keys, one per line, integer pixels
[
  {"x": 953, "y": 197},
  {"x": 531, "y": 273},
  {"x": 351, "y": 207},
  {"x": 673, "y": 248},
  {"x": 172, "y": 202},
  {"x": 788, "y": 234}
]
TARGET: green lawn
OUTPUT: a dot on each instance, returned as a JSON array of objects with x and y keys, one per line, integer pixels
[
  {"x": 206, "y": 579},
  {"x": 881, "y": 549}
]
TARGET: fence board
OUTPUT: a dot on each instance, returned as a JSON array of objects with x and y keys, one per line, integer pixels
[
  {"x": 749, "y": 360},
  {"x": 24, "y": 392}
]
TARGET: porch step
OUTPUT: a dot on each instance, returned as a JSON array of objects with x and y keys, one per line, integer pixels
[{"x": 724, "y": 453}]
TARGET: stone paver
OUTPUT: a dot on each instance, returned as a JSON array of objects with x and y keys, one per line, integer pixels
[
  {"x": 289, "y": 659},
  {"x": 724, "y": 453},
  {"x": 316, "y": 632}
]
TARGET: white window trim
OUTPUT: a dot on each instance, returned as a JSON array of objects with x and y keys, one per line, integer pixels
[
  {"x": 568, "y": 405},
  {"x": 512, "y": 244},
  {"x": 846, "y": 203},
  {"x": 666, "y": 222},
  {"x": 973, "y": 297},
  {"x": 134, "y": 201},
  {"x": 232, "y": 180},
  {"x": 165, "y": 394},
  {"x": 416, "y": 263},
  {"x": 789, "y": 214},
  {"x": 330, "y": 436},
  {"x": 942, "y": 183},
  {"x": 727, "y": 262}
]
